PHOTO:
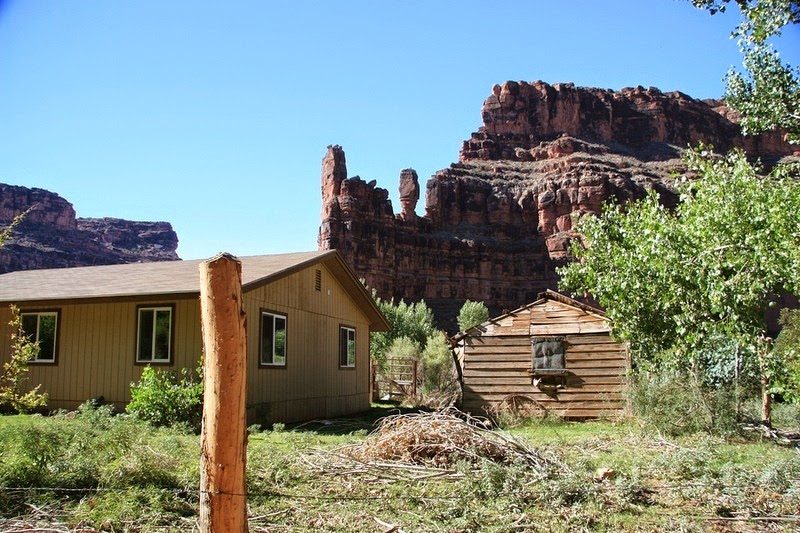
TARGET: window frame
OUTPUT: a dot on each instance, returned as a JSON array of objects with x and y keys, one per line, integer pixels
[
  {"x": 550, "y": 370},
  {"x": 343, "y": 350},
  {"x": 171, "y": 337},
  {"x": 56, "y": 333},
  {"x": 274, "y": 315}
]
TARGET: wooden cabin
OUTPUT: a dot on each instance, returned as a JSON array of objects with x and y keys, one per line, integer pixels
[
  {"x": 555, "y": 355},
  {"x": 308, "y": 325}
]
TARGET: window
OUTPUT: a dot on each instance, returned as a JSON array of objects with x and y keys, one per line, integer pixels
[
  {"x": 347, "y": 347},
  {"x": 154, "y": 337},
  {"x": 273, "y": 339},
  {"x": 42, "y": 327},
  {"x": 548, "y": 355}
]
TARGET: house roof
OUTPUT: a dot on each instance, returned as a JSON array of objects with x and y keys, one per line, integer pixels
[
  {"x": 173, "y": 278},
  {"x": 543, "y": 297}
]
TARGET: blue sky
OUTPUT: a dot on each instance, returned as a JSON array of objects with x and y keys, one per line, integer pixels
[{"x": 215, "y": 116}]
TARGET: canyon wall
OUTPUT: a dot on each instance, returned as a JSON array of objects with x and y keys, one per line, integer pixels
[
  {"x": 51, "y": 236},
  {"x": 498, "y": 222}
]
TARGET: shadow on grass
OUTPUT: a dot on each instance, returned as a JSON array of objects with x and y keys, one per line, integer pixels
[{"x": 363, "y": 422}]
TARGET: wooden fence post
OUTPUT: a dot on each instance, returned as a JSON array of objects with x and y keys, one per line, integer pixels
[{"x": 223, "y": 444}]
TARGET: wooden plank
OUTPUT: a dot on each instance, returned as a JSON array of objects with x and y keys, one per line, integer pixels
[
  {"x": 496, "y": 365},
  {"x": 567, "y": 329},
  {"x": 516, "y": 372},
  {"x": 595, "y": 363},
  {"x": 574, "y": 358},
  {"x": 587, "y": 372},
  {"x": 477, "y": 383},
  {"x": 498, "y": 350},
  {"x": 549, "y": 404},
  {"x": 487, "y": 358},
  {"x": 490, "y": 392},
  {"x": 592, "y": 348},
  {"x": 504, "y": 340},
  {"x": 590, "y": 338}
]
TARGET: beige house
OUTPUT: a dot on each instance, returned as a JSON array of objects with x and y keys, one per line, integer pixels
[
  {"x": 308, "y": 325},
  {"x": 555, "y": 355}
]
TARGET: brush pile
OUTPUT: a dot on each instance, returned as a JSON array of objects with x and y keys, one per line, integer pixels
[{"x": 441, "y": 439}]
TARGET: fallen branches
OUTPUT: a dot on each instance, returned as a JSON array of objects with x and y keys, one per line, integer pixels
[{"x": 421, "y": 446}]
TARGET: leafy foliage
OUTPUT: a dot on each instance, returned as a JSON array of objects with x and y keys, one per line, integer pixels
[
  {"x": 787, "y": 356},
  {"x": 163, "y": 398},
  {"x": 673, "y": 283},
  {"x": 472, "y": 313},
  {"x": 438, "y": 368},
  {"x": 413, "y": 321},
  {"x": 15, "y": 369},
  {"x": 767, "y": 93}
]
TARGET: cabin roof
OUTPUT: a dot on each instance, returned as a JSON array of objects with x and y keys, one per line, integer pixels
[
  {"x": 172, "y": 278},
  {"x": 542, "y": 298}
]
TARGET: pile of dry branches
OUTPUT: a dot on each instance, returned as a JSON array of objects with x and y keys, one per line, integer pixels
[{"x": 442, "y": 438}]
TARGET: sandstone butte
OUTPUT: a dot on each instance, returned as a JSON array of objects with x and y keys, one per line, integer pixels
[
  {"x": 499, "y": 222},
  {"x": 51, "y": 236}
]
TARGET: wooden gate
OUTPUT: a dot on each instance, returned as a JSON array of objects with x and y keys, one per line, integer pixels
[{"x": 397, "y": 381}]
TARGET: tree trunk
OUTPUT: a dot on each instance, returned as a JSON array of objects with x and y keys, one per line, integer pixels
[
  {"x": 223, "y": 499},
  {"x": 766, "y": 401}
]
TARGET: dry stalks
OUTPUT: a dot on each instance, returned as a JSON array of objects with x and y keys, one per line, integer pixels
[{"x": 440, "y": 440}]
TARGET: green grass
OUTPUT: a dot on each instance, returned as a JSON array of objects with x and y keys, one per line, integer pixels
[{"x": 125, "y": 476}]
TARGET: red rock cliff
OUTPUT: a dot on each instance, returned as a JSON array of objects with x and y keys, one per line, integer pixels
[
  {"x": 497, "y": 223},
  {"x": 50, "y": 235}
]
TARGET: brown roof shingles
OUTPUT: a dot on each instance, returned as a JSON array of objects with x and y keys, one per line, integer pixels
[{"x": 138, "y": 279}]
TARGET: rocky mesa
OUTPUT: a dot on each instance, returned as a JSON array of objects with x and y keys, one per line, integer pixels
[
  {"x": 51, "y": 236},
  {"x": 498, "y": 222}
]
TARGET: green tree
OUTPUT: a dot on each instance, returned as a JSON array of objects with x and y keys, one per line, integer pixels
[
  {"x": 411, "y": 320},
  {"x": 472, "y": 313},
  {"x": 677, "y": 283},
  {"x": 767, "y": 93}
]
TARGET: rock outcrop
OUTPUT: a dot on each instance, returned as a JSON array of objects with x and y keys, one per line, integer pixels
[
  {"x": 51, "y": 236},
  {"x": 498, "y": 222}
]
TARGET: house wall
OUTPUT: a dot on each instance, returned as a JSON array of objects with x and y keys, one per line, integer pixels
[
  {"x": 311, "y": 385},
  {"x": 96, "y": 353},
  {"x": 497, "y": 364},
  {"x": 96, "y": 349}
]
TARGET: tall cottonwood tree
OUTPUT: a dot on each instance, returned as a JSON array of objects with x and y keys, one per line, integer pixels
[
  {"x": 673, "y": 282},
  {"x": 767, "y": 92}
]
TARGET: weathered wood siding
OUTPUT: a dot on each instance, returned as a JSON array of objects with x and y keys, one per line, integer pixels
[
  {"x": 96, "y": 353},
  {"x": 97, "y": 344},
  {"x": 497, "y": 363},
  {"x": 312, "y": 384}
]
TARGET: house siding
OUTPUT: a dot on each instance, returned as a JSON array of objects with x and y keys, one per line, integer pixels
[
  {"x": 97, "y": 344},
  {"x": 96, "y": 353},
  {"x": 312, "y": 384},
  {"x": 497, "y": 363}
]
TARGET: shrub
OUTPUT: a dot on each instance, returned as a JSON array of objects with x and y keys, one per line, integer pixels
[
  {"x": 787, "y": 355},
  {"x": 472, "y": 313},
  {"x": 403, "y": 348},
  {"x": 13, "y": 372},
  {"x": 439, "y": 376},
  {"x": 675, "y": 404},
  {"x": 163, "y": 398}
]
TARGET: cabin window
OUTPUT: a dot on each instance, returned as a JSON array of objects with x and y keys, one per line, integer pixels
[
  {"x": 548, "y": 355},
  {"x": 42, "y": 328},
  {"x": 347, "y": 347},
  {"x": 273, "y": 339},
  {"x": 154, "y": 337}
]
